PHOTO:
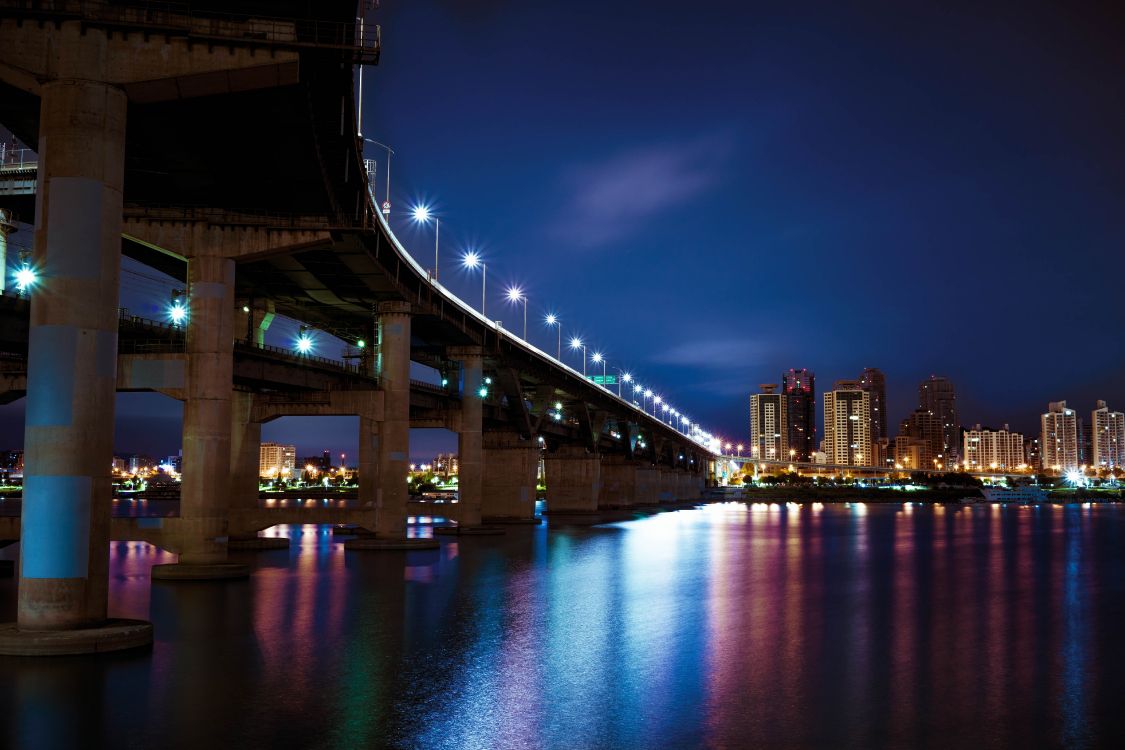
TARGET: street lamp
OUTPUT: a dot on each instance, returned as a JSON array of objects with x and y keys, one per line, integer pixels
[
  {"x": 553, "y": 320},
  {"x": 422, "y": 215},
  {"x": 471, "y": 260},
  {"x": 390, "y": 153},
  {"x": 576, "y": 343},
  {"x": 515, "y": 294},
  {"x": 647, "y": 395},
  {"x": 655, "y": 403},
  {"x": 596, "y": 358},
  {"x": 304, "y": 342},
  {"x": 625, "y": 378},
  {"x": 177, "y": 310}
]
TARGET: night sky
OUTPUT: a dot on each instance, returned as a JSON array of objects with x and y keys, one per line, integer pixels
[{"x": 713, "y": 192}]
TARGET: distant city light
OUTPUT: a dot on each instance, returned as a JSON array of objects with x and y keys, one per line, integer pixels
[{"x": 361, "y": 343}]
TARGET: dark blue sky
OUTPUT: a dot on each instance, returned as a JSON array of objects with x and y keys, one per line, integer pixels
[{"x": 714, "y": 192}]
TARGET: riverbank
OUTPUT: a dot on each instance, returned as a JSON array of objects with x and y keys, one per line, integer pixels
[{"x": 879, "y": 495}]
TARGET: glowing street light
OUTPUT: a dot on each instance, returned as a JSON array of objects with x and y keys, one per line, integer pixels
[
  {"x": 553, "y": 320},
  {"x": 471, "y": 260},
  {"x": 516, "y": 295},
  {"x": 25, "y": 278},
  {"x": 422, "y": 215},
  {"x": 304, "y": 343},
  {"x": 655, "y": 403},
  {"x": 625, "y": 378},
  {"x": 177, "y": 310},
  {"x": 576, "y": 343},
  {"x": 647, "y": 395},
  {"x": 597, "y": 357}
]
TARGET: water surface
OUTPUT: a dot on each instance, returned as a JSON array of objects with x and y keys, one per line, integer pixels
[{"x": 730, "y": 626}]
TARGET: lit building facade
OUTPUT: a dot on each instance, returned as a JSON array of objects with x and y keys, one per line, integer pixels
[
  {"x": 923, "y": 424},
  {"x": 985, "y": 449},
  {"x": 276, "y": 460},
  {"x": 912, "y": 453},
  {"x": 847, "y": 425},
  {"x": 1107, "y": 437},
  {"x": 938, "y": 396},
  {"x": 874, "y": 382},
  {"x": 769, "y": 439},
  {"x": 798, "y": 387},
  {"x": 446, "y": 464},
  {"x": 1058, "y": 440}
]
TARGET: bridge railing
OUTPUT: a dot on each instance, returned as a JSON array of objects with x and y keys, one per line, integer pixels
[
  {"x": 362, "y": 41},
  {"x": 17, "y": 159}
]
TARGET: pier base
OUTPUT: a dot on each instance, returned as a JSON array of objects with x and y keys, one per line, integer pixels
[
  {"x": 114, "y": 635},
  {"x": 199, "y": 571}
]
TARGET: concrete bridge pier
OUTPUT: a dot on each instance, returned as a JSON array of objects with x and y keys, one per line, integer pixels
[
  {"x": 245, "y": 464},
  {"x": 200, "y": 534},
  {"x": 574, "y": 480},
  {"x": 618, "y": 483},
  {"x": 470, "y": 445},
  {"x": 510, "y": 470},
  {"x": 72, "y": 365},
  {"x": 392, "y": 443},
  {"x": 667, "y": 489}
]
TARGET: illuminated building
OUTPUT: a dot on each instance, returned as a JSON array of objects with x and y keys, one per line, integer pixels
[
  {"x": 912, "y": 453},
  {"x": 847, "y": 425},
  {"x": 276, "y": 460},
  {"x": 874, "y": 382},
  {"x": 798, "y": 387},
  {"x": 769, "y": 439},
  {"x": 1059, "y": 438},
  {"x": 938, "y": 397},
  {"x": 1107, "y": 437},
  {"x": 984, "y": 449}
]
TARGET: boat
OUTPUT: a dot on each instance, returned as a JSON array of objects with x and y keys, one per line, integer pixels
[
  {"x": 1023, "y": 494},
  {"x": 971, "y": 500}
]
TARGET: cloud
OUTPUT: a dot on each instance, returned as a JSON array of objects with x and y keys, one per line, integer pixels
[
  {"x": 613, "y": 198},
  {"x": 713, "y": 354}
]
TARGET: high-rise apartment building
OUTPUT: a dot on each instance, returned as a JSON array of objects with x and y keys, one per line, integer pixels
[
  {"x": 276, "y": 460},
  {"x": 847, "y": 425},
  {"x": 1032, "y": 455},
  {"x": 985, "y": 449},
  {"x": 912, "y": 453},
  {"x": 923, "y": 424},
  {"x": 1107, "y": 437},
  {"x": 798, "y": 387},
  {"x": 874, "y": 382},
  {"x": 769, "y": 425},
  {"x": 938, "y": 396},
  {"x": 1059, "y": 438}
]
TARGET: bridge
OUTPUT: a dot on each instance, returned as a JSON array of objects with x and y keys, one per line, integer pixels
[{"x": 154, "y": 128}]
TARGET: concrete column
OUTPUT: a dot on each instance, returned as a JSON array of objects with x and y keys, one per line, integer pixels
[
  {"x": 573, "y": 480},
  {"x": 245, "y": 453},
  {"x": 368, "y": 462},
  {"x": 72, "y": 362},
  {"x": 646, "y": 485},
  {"x": 393, "y": 441},
  {"x": 469, "y": 438},
  {"x": 666, "y": 487},
  {"x": 72, "y": 357},
  {"x": 200, "y": 534},
  {"x": 510, "y": 469},
  {"x": 245, "y": 461},
  {"x": 618, "y": 483},
  {"x": 7, "y": 226}
]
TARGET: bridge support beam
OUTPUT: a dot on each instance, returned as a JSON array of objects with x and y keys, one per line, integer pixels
[
  {"x": 573, "y": 480},
  {"x": 470, "y": 478},
  {"x": 510, "y": 471},
  {"x": 200, "y": 534},
  {"x": 245, "y": 471},
  {"x": 72, "y": 364},
  {"x": 392, "y": 442}
]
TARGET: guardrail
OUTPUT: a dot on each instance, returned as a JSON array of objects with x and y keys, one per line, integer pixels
[
  {"x": 362, "y": 41},
  {"x": 17, "y": 159}
]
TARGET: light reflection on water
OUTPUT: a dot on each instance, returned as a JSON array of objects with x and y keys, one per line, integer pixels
[{"x": 730, "y": 626}]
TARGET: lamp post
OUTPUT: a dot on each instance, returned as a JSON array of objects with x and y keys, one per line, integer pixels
[
  {"x": 624, "y": 378},
  {"x": 648, "y": 395},
  {"x": 390, "y": 153},
  {"x": 422, "y": 215},
  {"x": 553, "y": 320},
  {"x": 515, "y": 294},
  {"x": 655, "y": 403},
  {"x": 471, "y": 260},
  {"x": 576, "y": 343}
]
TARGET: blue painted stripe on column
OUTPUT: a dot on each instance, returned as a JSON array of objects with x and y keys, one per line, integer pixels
[
  {"x": 50, "y": 375},
  {"x": 55, "y": 534}
]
